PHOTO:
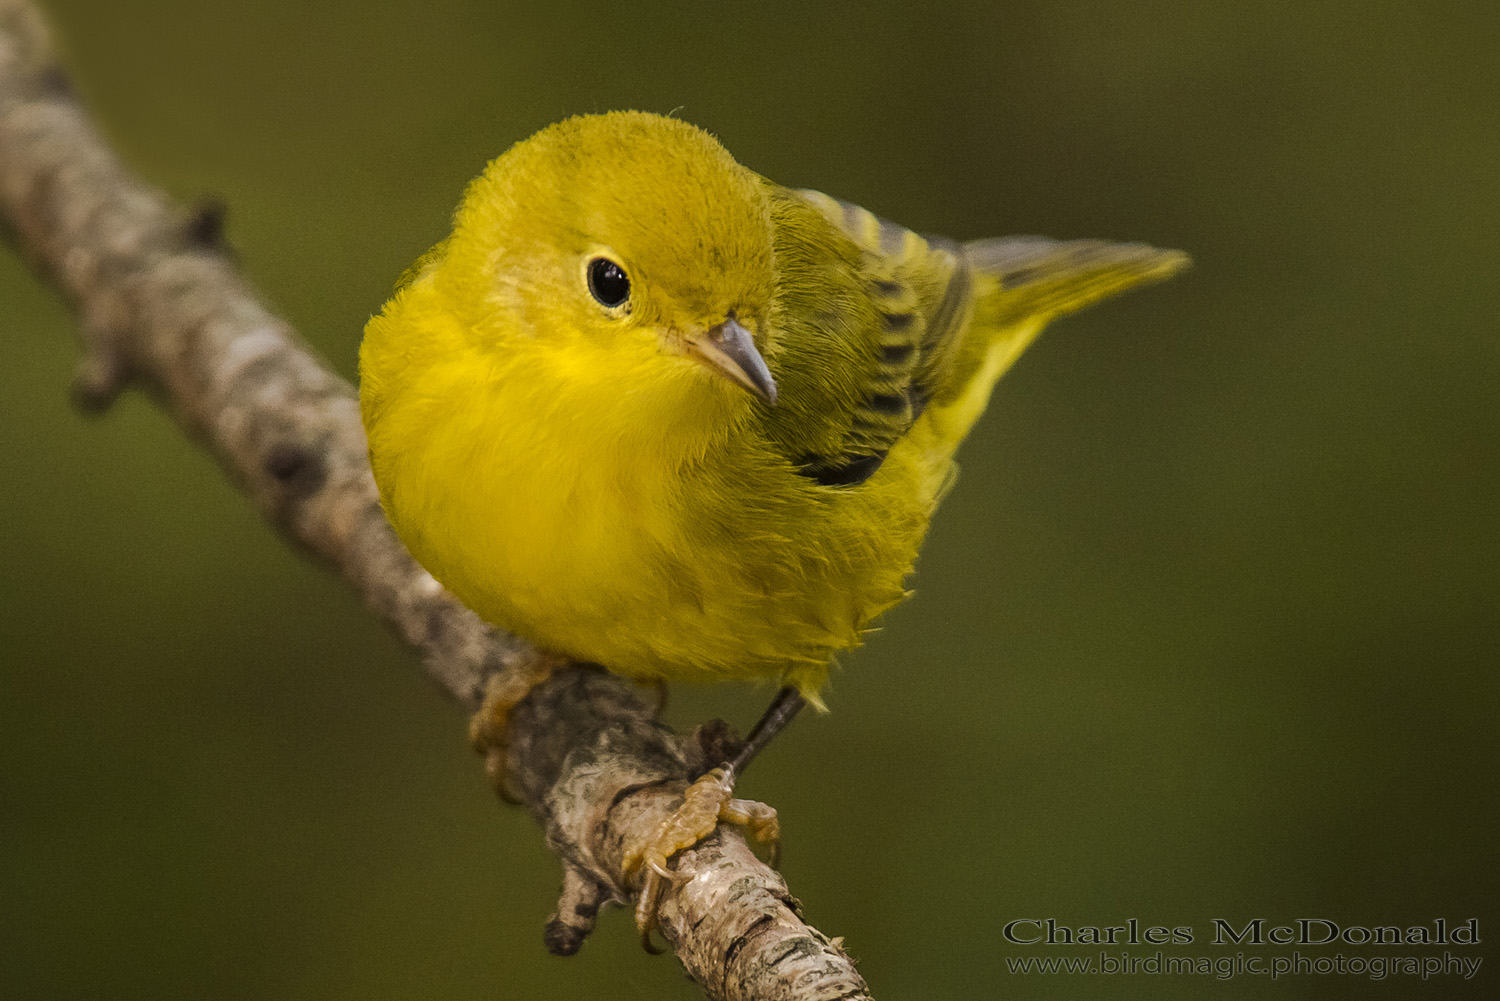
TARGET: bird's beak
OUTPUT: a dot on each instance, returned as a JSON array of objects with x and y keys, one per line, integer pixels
[{"x": 730, "y": 349}]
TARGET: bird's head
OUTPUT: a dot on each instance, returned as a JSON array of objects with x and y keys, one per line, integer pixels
[{"x": 631, "y": 250}]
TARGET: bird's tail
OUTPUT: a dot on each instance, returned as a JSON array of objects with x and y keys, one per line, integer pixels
[{"x": 1021, "y": 282}]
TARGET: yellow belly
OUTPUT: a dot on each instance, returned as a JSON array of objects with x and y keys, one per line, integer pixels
[{"x": 735, "y": 567}]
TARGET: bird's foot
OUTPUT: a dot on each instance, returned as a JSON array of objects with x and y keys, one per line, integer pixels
[
  {"x": 705, "y": 803},
  {"x": 487, "y": 727}
]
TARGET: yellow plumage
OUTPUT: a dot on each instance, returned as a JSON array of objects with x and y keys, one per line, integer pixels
[{"x": 593, "y": 474}]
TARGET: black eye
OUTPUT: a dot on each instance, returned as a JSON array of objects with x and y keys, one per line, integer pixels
[{"x": 607, "y": 282}]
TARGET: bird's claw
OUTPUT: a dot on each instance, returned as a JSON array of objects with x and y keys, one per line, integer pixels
[
  {"x": 488, "y": 725},
  {"x": 705, "y": 803}
]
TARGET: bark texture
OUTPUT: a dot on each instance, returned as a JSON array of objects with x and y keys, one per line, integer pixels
[{"x": 161, "y": 305}]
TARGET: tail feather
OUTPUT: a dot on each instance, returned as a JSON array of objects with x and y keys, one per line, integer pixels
[
  {"x": 1036, "y": 277},
  {"x": 1021, "y": 283}
]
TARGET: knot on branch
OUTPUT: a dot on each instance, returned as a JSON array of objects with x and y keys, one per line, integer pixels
[
  {"x": 578, "y": 906},
  {"x": 204, "y": 226},
  {"x": 300, "y": 469}
]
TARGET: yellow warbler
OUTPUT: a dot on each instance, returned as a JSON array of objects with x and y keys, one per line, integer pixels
[{"x": 651, "y": 410}]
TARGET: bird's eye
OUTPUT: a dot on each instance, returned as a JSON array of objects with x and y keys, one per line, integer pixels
[{"x": 607, "y": 282}]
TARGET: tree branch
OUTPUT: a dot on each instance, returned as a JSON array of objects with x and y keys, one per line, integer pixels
[{"x": 161, "y": 304}]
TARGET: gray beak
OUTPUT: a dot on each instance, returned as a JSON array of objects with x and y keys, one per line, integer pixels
[{"x": 729, "y": 349}]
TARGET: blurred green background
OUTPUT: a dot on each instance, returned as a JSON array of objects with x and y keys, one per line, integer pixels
[{"x": 1209, "y": 628}]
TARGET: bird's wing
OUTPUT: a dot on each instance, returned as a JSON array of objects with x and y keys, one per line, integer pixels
[
  {"x": 868, "y": 316},
  {"x": 876, "y": 322}
]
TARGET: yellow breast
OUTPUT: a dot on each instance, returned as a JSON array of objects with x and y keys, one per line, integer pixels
[{"x": 619, "y": 532}]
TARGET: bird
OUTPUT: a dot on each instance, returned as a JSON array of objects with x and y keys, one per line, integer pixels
[{"x": 648, "y": 409}]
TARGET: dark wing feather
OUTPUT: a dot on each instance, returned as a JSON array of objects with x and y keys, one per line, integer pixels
[{"x": 868, "y": 315}]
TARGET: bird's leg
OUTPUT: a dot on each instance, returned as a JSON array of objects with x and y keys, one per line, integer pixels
[
  {"x": 783, "y": 708},
  {"x": 705, "y": 803},
  {"x": 487, "y": 727}
]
